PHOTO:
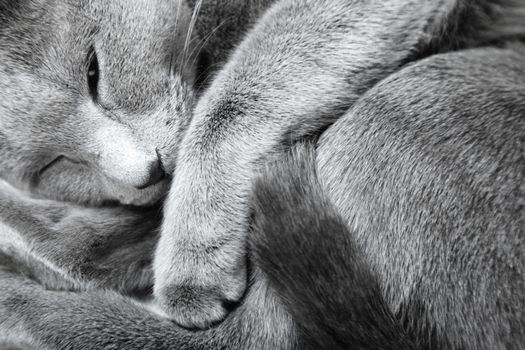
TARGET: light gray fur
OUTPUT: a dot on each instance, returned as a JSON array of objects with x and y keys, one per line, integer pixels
[
  {"x": 433, "y": 184},
  {"x": 301, "y": 68},
  {"x": 434, "y": 194},
  {"x": 147, "y": 54},
  {"x": 46, "y": 112},
  {"x": 298, "y": 70},
  {"x": 84, "y": 247},
  {"x": 97, "y": 318}
]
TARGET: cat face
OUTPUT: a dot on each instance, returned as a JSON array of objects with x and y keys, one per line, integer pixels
[{"x": 104, "y": 84}]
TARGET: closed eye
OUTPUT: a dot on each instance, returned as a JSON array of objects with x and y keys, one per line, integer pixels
[{"x": 93, "y": 74}]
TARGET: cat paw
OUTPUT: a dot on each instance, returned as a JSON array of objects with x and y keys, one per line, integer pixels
[{"x": 200, "y": 283}]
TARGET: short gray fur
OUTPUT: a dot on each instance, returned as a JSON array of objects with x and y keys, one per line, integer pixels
[
  {"x": 298, "y": 70},
  {"x": 410, "y": 170}
]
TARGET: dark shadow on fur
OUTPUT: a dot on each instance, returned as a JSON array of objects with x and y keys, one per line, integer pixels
[{"x": 308, "y": 255}]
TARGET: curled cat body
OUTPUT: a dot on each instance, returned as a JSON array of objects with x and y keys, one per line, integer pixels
[{"x": 303, "y": 65}]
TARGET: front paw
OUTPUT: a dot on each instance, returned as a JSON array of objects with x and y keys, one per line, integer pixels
[{"x": 200, "y": 280}]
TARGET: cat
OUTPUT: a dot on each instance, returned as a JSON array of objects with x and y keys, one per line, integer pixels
[
  {"x": 96, "y": 96},
  {"x": 432, "y": 257},
  {"x": 422, "y": 29}
]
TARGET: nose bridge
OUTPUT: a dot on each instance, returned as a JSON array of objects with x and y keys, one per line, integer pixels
[
  {"x": 161, "y": 130},
  {"x": 119, "y": 135},
  {"x": 115, "y": 138},
  {"x": 144, "y": 126},
  {"x": 118, "y": 153}
]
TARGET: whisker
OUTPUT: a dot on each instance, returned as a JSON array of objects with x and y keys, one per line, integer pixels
[
  {"x": 172, "y": 55},
  {"x": 179, "y": 56},
  {"x": 193, "y": 21},
  {"x": 203, "y": 43},
  {"x": 196, "y": 38}
]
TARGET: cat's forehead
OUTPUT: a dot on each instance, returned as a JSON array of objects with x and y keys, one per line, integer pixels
[
  {"x": 134, "y": 42},
  {"x": 136, "y": 20}
]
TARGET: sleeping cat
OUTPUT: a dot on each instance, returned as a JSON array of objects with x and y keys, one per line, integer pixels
[
  {"x": 95, "y": 98},
  {"x": 305, "y": 65},
  {"x": 433, "y": 257}
]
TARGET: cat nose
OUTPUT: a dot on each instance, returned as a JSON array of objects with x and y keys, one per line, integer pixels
[{"x": 156, "y": 173}]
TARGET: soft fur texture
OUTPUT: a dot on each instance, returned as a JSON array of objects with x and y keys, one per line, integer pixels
[
  {"x": 288, "y": 204},
  {"x": 432, "y": 185},
  {"x": 312, "y": 261},
  {"x": 298, "y": 70},
  {"x": 58, "y": 141},
  {"x": 419, "y": 261},
  {"x": 423, "y": 162}
]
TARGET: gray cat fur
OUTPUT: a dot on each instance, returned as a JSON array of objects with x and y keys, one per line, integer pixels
[
  {"x": 58, "y": 141},
  {"x": 24, "y": 299},
  {"x": 45, "y": 138},
  {"x": 259, "y": 324},
  {"x": 44, "y": 121},
  {"x": 302, "y": 66},
  {"x": 312, "y": 261},
  {"x": 451, "y": 278},
  {"x": 433, "y": 191}
]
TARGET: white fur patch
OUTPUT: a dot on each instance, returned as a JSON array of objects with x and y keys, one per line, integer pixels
[
  {"x": 121, "y": 157},
  {"x": 116, "y": 151}
]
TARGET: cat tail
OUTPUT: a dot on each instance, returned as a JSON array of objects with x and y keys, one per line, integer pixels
[{"x": 310, "y": 259}]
